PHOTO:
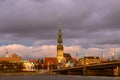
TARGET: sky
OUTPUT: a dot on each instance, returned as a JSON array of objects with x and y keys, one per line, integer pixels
[{"x": 90, "y": 27}]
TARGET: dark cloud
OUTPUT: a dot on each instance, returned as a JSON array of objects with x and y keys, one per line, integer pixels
[{"x": 83, "y": 22}]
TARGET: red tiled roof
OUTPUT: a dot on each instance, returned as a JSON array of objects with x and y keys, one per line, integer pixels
[
  {"x": 50, "y": 60},
  {"x": 11, "y": 59},
  {"x": 34, "y": 61}
]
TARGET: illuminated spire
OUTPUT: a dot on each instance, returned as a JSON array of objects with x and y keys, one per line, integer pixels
[
  {"x": 60, "y": 48},
  {"x": 60, "y": 40}
]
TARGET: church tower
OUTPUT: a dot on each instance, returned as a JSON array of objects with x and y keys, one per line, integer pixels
[
  {"x": 6, "y": 54},
  {"x": 60, "y": 49}
]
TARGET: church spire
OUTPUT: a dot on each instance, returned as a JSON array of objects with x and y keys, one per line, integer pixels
[
  {"x": 60, "y": 48},
  {"x": 59, "y": 24},
  {"x": 60, "y": 40}
]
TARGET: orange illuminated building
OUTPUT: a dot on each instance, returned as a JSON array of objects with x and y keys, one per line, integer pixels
[
  {"x": 14, "y": 57},
  {"x": 50, "y": 62},
  {"x": 10, "y": 63}
]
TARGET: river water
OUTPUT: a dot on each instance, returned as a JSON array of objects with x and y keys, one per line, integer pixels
[{"x": 55, "y": 77}]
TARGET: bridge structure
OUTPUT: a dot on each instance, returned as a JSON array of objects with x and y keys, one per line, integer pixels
[{"x": 103, "y": 69}]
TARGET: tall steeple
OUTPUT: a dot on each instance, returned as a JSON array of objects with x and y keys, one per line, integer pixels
[
  {"x": 59, "y": 32},
  {"x": 60, "y": 48}
]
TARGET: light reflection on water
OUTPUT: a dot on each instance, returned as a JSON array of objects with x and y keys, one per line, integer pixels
[{"x": 55, "y": 77}]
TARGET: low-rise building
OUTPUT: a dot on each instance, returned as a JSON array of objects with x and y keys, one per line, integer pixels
[
  {"x": 88, "y": 60},
  {"x": 10, "y": 63},
  {"x": 50, "y": 63},
  {"x": 69, "y": 61},
  {"x": 28, "y": 66},
  {"x": 13, "y": 58}
]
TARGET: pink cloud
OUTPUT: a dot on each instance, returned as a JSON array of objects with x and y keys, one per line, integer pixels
[{"x": 50, "y": 51}]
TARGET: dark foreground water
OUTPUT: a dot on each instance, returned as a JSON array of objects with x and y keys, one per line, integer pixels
[{"x": 55, "y": 77}]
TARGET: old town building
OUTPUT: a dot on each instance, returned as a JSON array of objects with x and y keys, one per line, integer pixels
[
  {"x": 10, "y": 63},
  {"x": 88, "y": 60}
]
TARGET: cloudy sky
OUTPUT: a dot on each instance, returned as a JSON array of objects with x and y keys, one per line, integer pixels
[{"x": 90, "y": 27}]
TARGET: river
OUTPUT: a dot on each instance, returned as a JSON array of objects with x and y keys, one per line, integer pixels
[{"x": 55, "y": 77}]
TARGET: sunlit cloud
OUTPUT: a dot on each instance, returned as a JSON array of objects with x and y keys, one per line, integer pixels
[{"x": 35, "y": 52}]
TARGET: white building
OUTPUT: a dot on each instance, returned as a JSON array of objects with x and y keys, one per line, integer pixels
[{"x": 28, "y": 66}]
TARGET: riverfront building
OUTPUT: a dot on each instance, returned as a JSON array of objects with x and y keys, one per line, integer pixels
[
  {"x": 64, "y": 59},
  {"x": 13, "y": 58},
  {"x": 89, "y": 60},
  {"x": 10, "y": 63}
]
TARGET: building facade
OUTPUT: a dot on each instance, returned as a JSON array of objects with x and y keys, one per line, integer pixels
[
  {"x": 50, "y": 63},
  {"x": 13, "y": 58},
  {"x": 89, "y": 60},
  {"x": 10, "y": 63}
]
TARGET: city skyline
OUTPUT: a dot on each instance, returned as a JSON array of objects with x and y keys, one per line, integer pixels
[{"x": 29, "y": 27}]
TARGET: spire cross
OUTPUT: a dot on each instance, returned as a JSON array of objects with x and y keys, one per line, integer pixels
[{"x": 59, "y": 24}]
